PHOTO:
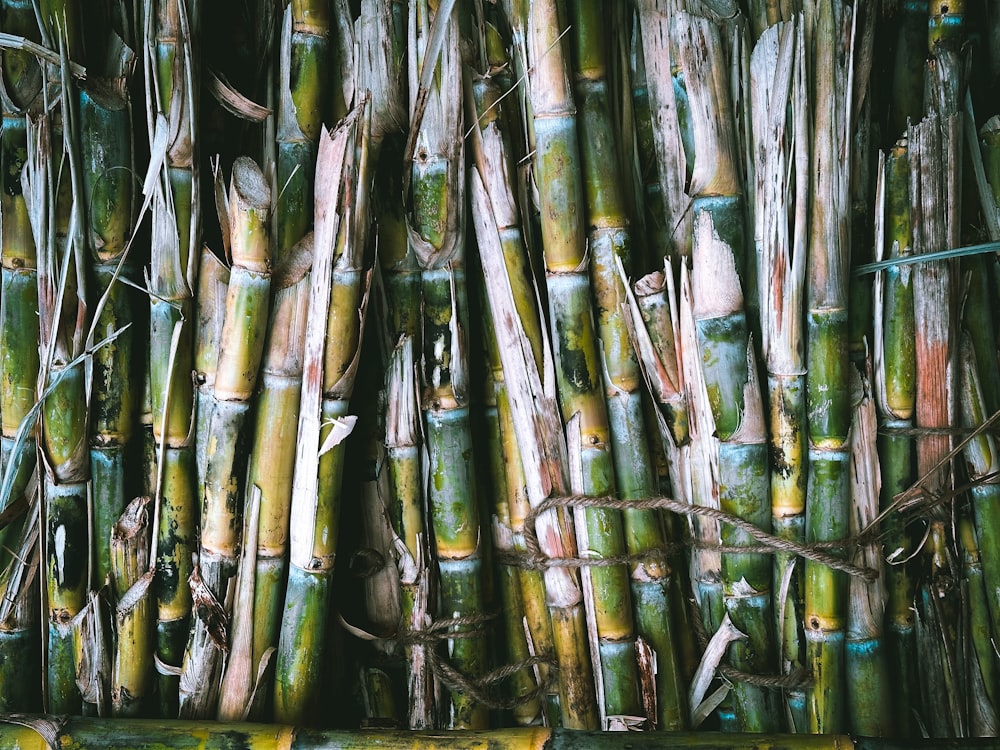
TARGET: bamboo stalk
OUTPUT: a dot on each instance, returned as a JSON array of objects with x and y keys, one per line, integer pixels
[
  {"x": 610, "y": 243},
  {"x": 170, "y": 67},
  {"x": 333, "y": 332},
  {"x": 435, "y": 227},
  {"x": 403, "y": 443},
  {"x": 132, "y": 578},
  {"x": 241, "y": 345},
  {"x": 527, "y": 365},
  {"x": 895, "y": 395},
  {"x": 728, "y": 362},
  {"x": 107, "y": 164},
  {"x": 19, "y": 362},
  {"x": 829, "y": 34},
  {"x": 41, "y": 733},
  {"x": 779, "y": 120},
  {"x": 20, "y": 634}
]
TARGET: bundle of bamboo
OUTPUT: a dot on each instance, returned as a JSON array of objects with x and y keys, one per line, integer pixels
[{"x": 406, "y": 336}]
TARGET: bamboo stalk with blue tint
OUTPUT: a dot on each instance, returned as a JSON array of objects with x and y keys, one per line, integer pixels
[
  {"x": 830, "y": 60},
  {"x": 171, "y": 75},
  {"x": 333, "y": 333},
  {"x": 610, "y": 243},
  {"x": 718, "y": 254},
  {"x": 241, "y": 346},
  {"x": 869, "y": 708},
  {"x": 780, "y": 140}
]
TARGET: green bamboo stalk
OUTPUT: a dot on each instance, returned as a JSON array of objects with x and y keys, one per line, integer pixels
[
  {"x": 558, "y": 173},
  {"x": 531, "y": 384},
  {"x": 435, "y": 222},
  {"x": 718, "y": 253},
  {"x": 830, "y": 60},
  {"x": 20, "y": 634},
  {"x": 982, "y": 461},
  {"x": 36, "y": 733},
  {"x": 55, "y": 204},
  {"x": 333, "y": 332},
  {"x": 19, "y": 361},
  {"x": 610, "y": 243},
  {"x": 241, "y": 345},
  {"x": 109, "y": 188},
  {"x": 895, "y": 395},
  {"x": 210, "y": 312},
  {"x": 506, "y": 493},
  {"x": 132, "y": 578},
  {"x": 981, "y": 660},
  {"x": 530, "y": 633},
  {"x": 780, "y": 140},
  {"x": 171, "y": 70},
  {"x": 303, "y": 82},
  {"x": 907, "y": 90}
]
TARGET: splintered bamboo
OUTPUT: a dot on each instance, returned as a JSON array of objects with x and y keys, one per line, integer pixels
[
  {"x": 332, "y": 347},
  {"x": 171, "y": 72},
  {"x": 525, "y": 358},
  {"x": 780, "y": 126},
  {"x": 729, "y": 365},
  {"x": 869, "y": 711},
  {"x": 934, "y": 205},
  {"x": 406, "y": 512},
  {"x": 436, "y": 224},
  {"x": 241, "y": 345},
  {"x": 830, "y": 61},
  {"x": 609, "y": 242},
  {"x": 303, "y": 62},
  {"x": 507, "y": 476}
]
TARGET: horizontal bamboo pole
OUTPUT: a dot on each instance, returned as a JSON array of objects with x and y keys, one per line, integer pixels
[{"x": 36, "y": 732}]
